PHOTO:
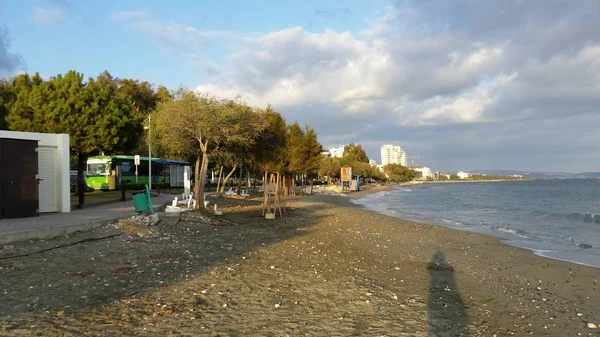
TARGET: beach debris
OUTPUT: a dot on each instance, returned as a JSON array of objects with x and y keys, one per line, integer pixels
[
  {"x": 217, "y": 212},
  {"x": 146, "y": 220},
  {"x": 277, "y": 305},
  {"x": 592, "y": 325},
  {"x": 131, "y": 227}
]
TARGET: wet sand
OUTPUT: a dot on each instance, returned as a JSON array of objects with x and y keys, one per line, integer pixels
[{"x": 328, "y": 268}]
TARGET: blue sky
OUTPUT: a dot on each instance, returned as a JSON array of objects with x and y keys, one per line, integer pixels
[
  {"x": 83, "y": 35},
  {"x": 463, "y": 84}
]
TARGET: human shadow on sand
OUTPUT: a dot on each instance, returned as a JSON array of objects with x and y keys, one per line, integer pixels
[{"x": 447, "y": 311}]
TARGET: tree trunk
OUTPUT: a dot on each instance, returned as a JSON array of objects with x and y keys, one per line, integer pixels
[
  {"x": 240, "y": 180},
  {"x": 203, "y": 172},
  {"x": 197, "y": 182},
  {"x": 219, "y": 180},
  {"x": 248, "y": 178},
  {"x": 311, "y": 186},
  {"x": 227, "y": 177},
  {"x": 81, "y": 183}
]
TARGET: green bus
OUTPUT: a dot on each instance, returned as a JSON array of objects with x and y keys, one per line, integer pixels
[{"x": 108, "y": 172}]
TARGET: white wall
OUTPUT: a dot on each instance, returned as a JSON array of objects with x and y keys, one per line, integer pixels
[{"x": 61, "y": 142}]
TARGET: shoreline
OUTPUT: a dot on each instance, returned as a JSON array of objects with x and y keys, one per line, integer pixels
[
  {"x": 464, "y": 181},
  {"x": 503, "y": 240},
  {"x": 328, "y": 267}
]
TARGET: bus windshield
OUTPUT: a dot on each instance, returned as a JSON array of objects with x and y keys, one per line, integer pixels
[{"x": 97, "y": 170}]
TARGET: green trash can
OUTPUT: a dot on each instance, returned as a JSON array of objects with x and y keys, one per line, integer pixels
[{"x": 142, "y": 201}]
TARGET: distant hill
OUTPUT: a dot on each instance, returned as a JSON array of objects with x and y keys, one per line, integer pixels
[{"x": 543, "y": 175}]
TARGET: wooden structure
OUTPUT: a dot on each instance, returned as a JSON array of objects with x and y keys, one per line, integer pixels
[
  {"x": 273, "y": 186},
  {"x": 18, "y": 178},
  {"x": 346, "y": 178}
]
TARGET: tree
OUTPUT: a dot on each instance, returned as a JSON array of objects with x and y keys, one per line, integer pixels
[
  {"x": 5, "y": 99},
  {"x": 399, "y": 173},
  {"x": 295, "y": 149},
  {"x": 201, "y": 126},
  {"x": 163, "y": 94},
  {"x": 313, "y": 150},
  {"x": 235, "y": 153},
  {"x": 96, "y": 118},
  {"x": 330, "y": 167},
  {"x": 354, "y": 153},
  {"x": 269, "y": 154},
  {"x": 142, "y": 96}
]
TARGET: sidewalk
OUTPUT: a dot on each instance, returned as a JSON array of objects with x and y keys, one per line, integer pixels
[{"x": 57, "y": 224}]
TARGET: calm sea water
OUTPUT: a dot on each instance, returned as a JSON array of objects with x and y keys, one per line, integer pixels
[{"x": 558, "y": 219}]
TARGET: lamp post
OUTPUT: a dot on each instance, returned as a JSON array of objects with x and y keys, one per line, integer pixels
[{"x": 149, "y": 154}]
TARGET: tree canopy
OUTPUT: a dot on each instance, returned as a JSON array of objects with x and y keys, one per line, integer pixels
[
  {"x": 107, "y": 115},
  {"x": 205, "y": 128},
  {"x": 270, "y": 150},
  {"x": 399, "y": 173},
  {"x": 354, "y": 153},
  {"x": 96, "y": 118}
]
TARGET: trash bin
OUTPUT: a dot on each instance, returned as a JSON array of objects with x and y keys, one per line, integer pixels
[{"x": 142, "y": 201}]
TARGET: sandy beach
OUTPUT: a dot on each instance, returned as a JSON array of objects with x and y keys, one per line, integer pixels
[{"x": 328, "y": 268}]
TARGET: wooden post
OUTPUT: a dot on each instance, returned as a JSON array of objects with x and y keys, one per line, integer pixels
[
  {"x": 265, "y": 193},
  {"x": 219, "y": 180}
]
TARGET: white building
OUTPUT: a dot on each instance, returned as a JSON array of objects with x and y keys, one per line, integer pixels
[
  {"x": 425, "y": 172},
  {"x": 52, "y": 171},
  {"x": 463, "y": 175},
  {"x": 337, "y": 152},
  {"x": 373, "y": 163},
  {"x": 393, "y": 154}
]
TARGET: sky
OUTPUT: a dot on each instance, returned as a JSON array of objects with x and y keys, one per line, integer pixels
[{"x": 460, "y": 84}]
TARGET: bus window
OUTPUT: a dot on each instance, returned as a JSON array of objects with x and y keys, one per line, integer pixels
[{"x": 97, "y": 170}]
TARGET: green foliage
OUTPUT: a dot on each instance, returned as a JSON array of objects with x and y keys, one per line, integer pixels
[
  {"x": 355, "y": 157},
  {"x": 330, "y": 167},
  {"x": 97, "y": 117},
  {"x": 399, "y": 173},
  {"x": 163, "y": 94},
  {"x": 205, "y": 128},
  {"x": 354, "y": 153},
  {"x": 5, "y": 99},
  {"x": 303, "y": 150},
  {"x": 295, "y": 149},
  {"x": 142, "y": 96},
  {"x": 312, "y": 151},
  {"x": 269, "y": 150}
]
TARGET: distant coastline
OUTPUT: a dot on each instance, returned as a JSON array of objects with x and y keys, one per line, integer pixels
[{"x": 418, "y": 182}]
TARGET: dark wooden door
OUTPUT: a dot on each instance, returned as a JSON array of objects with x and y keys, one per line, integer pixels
[{"x": 18, "y": 178}]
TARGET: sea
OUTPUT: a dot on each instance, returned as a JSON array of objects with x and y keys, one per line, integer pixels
[{"x": 558, "y": 219}]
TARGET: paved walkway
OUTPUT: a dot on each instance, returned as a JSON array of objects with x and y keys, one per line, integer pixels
[{"x": 57, "y": 224}]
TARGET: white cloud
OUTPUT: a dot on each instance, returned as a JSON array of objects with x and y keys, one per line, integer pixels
[
  {"x": 179, "y": 38},
  {"x": 422, "y": 65},
  {"x": 49, "y": 15},
  {"x": 9, "y": 62}
]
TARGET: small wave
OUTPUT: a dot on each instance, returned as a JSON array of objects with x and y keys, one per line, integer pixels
[
  {"x": 518, "y": 232},
  {"x": 584, "y": 217}
]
